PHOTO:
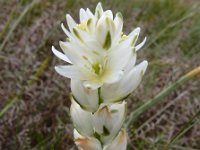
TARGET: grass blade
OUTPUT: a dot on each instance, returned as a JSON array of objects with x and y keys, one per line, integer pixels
[
  {"x": 17, "y": 22},
  {"x": 152, "y": 102},
  {"x": 187, "y": 127}
]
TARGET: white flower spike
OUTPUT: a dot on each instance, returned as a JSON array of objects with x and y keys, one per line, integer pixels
[{"x": 100, "y": 61}]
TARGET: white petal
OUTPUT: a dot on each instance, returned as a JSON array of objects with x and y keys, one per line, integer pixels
[
  {"x": 83, "y": 15},
  {"x": 101, "y": 30},
  {"x": 118, "y": 57},
  {"x": 77, "y": 135},
  {"x": 108, "y": 120},
  {"x": 141, "y": 44},
  {"x": 118, "y": 22},
  {"x": 71, "y": 23},
  {"x": 110, "y": 25},
  {"x": 136, "y": 31},
  {"x": 131, "y": 62},
  {"x": 114, "y": 77},
  {"x": 87, "y": 98},
  {"x": 132, "y": 38},
  {"x": 66, "y": 31},
  {"x": 87, "y": 143},
  {"x": 121, "y": 89},
  {"x": 109, "y": 14},
  {"x": 119, "y": 143},
  {"x": 89, "y": 13},
  {"x": 95, "y": 48},
  {"x": 105, "y": 30},
  {"x": 72, "y": 52},
  {"x": 60, "y": 55},
  {"x": 82, "y": 119},
  {"x": 93, "y": 85},
  {"x": 82, "y": 36},
  {"x": 98, "y": 11},
  {"x": 100, "y": 118},
  {"x": 68, "y": 71}
]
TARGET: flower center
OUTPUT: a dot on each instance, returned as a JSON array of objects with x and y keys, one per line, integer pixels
[
  {"x": 97, "y": 68},
  {"x": 82, "y": 25}
]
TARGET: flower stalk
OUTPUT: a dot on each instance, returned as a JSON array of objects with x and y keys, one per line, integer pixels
[{"x": 101, "y": 65}]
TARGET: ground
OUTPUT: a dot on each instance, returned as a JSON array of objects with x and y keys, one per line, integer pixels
[{"x": 34, "y": 99}]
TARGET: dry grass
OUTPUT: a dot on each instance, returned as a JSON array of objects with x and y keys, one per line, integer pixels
[{"x": 38, "y": 117}]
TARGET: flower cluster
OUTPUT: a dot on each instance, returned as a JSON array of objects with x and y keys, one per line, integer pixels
[{"x": 101, "y": 65}]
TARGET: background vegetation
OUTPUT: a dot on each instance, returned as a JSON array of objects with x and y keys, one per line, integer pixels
[{"x": 34, "y": 99}]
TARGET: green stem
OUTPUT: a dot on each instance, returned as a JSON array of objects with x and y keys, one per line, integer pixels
[{"x": 152, "y": 102}]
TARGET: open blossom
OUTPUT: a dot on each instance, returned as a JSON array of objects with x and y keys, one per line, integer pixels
[
  {"x": 109, "y": 93},
  {"x": 97, "y": 51}
]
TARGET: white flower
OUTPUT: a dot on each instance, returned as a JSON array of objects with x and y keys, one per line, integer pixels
[
  {"x": 108, "y": 93},
  {"x": 91, "y": 143},
  {"x": 97, "y": 51},
  {"x": 104, "y": 124}
]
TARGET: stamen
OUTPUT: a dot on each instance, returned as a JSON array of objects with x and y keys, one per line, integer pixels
[
  {"x": 97, "y": 68},
  {"x": 82, "y": 25}
]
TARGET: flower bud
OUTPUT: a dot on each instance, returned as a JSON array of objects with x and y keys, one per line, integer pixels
[
  {"x": 87, "y": 98},
  {"x": 121, "y": 89},
  {"x": 119, "y": 143},
  {"x": 108, "y": 120},
  {"x": 82, "y": 119}
]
